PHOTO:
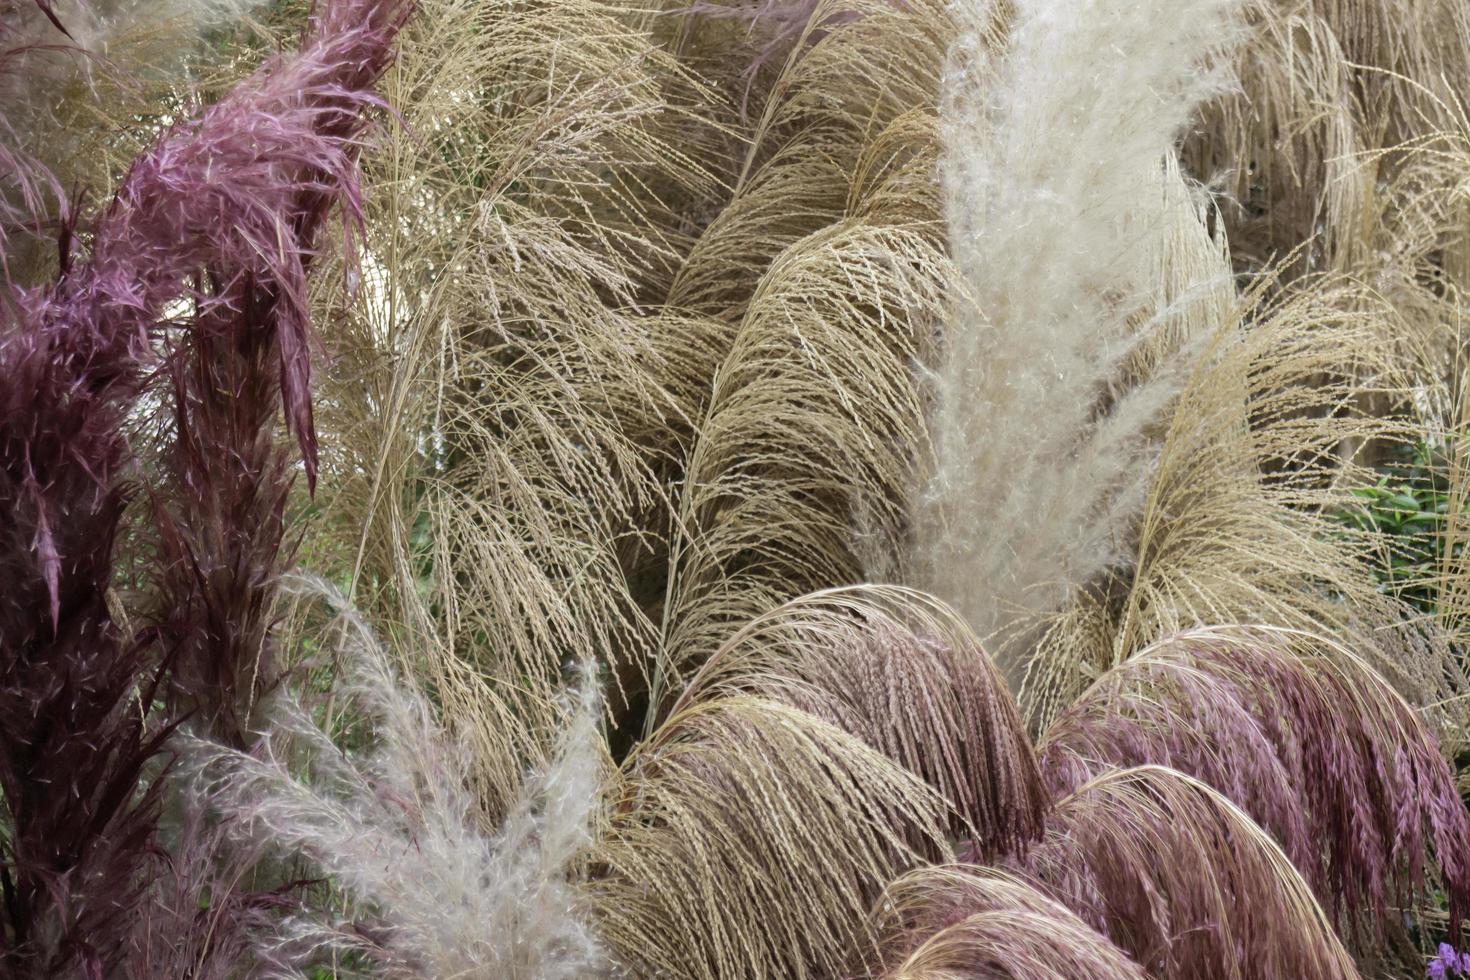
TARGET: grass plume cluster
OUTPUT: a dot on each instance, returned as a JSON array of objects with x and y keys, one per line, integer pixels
[{"x": 727, "y": 490}]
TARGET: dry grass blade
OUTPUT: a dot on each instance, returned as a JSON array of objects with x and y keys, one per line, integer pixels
[
  {"x": 902, "y": 672},
  {"x": 750, "y": 839},
  {"x": 960, "y": 922},
  {"x": 1177, "y": 876},
  {"x": 1303, "y": 737}
]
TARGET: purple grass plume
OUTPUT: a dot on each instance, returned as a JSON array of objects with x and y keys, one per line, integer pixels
[
  {"x": 962, "y": 922},
  {"x": 902, "y": 672},
  {"x": 220, "y": 213},
  {"x": 1183, "y": 881},
  {"x": 246, "y": 350},
  {"x": 1306, "y": 739}
]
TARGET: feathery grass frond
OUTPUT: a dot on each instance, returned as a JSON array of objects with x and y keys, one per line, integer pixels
[
  {"x": 397, "y": 829},
  {"x": 960, "y": 922},
  {"x": 809, "y": 434},
  {"x": 220, "y": 509},
  {"x": 747, "y": 838},
  {"x": 1183, "y": 881},
  {"x": 1235, "y": 527},
  {"x": 1058, "y": 221},
  {"x": 1302, "y": 736},
  {"x": 490, "y": 408},
  {"x": 222, "y": 196},
  {"x": 899, "y": 670}
]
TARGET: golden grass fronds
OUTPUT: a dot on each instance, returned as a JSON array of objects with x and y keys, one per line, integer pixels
[
  {"x": 902, "y": 672},
  {"x": 747, "y": 838},
  {"x": 808, "y": 435},
  {"x": 488, "y": 405},
  {"x": 1326, "y": 86},
  {"x": 961, "y": 922},
  {"x": 832, "y": 113},
  {"x": 1234, "y": 528}
]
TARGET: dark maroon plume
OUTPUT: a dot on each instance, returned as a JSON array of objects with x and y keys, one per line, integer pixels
[{"x": 219, "y": 215}]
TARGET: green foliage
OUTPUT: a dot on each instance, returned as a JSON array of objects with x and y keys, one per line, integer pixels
[{"x": 1407, "y": 508}]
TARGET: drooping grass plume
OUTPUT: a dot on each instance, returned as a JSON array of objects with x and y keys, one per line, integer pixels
[
  {"x": 843, "y": 113},
  {"x": 484, "y": 486},
  {"x": 900, "y": 671},
  {"x": 1303, "y": 737},
  {"x": 807, "y": 440},
  {"x": 1236, "y": 526},
  {"x": 816, "y": 343},
  {"x": 1183, "y": 881},
  {"x": 398, "y": 830},
  {"x": 953, "y": 922},
  {"x": 695, "y": 859},
  {"x": 1309, "y": 145},
  {"x": 748, "y": 838}
]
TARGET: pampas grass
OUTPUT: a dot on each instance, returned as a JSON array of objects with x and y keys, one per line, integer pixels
[
  {"x": 900, "y": 671},
  {"x": 703, "y": 395},
  {"x": 1297, "y": 733},
  {"x": 1051, "y": 144},
  {"x": 221, "y": 213},
  {"x": 959, "y": 921},
  {"x": 486, "y": 480},
  {"x": 1184, "y": 881},
  {"x": 438, "y": 895}
]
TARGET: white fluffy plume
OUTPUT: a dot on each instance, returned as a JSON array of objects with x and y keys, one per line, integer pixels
[
  {"x": 396, "y": 829},
  {"x": 1062, "y": 197}
]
